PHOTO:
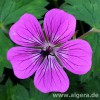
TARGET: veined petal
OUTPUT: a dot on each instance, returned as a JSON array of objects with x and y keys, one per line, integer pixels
[
  {"x": 50, "y": 77},
  {"x": 76, "y": 56},
  {"x": 59, "y": 26},
  {"x": 25, "y": 61},
  {"x": 27, "y": 31}
]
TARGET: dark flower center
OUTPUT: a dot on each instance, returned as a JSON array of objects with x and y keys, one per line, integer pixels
[{"x": 46, "y": 52}]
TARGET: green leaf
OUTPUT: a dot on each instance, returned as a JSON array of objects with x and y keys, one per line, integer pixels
[
  {"x": 96, "y": 57},
  {"x": 1, "y": 71},
  {"x": 2, "y": 92},
  {"x": 5, "y": 45},
  {"x": 11, "y": 92},
  {"x": 88, "y": 11},
  {"x": 26, "y": 83},
  {"x": 11, "y": 10},
  {"x": 8, "y": 89},
  {"x": 20, "y": 93},
  {"x": 92, "y": 88}
]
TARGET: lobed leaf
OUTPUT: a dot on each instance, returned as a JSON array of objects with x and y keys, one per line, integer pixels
[{"x": 11, "y": 10}]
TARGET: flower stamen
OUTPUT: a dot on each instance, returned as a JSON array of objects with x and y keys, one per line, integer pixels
[{"x": 47, "y": 52}]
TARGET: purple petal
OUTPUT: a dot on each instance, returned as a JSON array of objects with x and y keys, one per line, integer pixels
[
  {"x": 25, "y": 61},
  {"x": 27, "y": 31},
  {"x": 59, "y": 26},
  {"x": 50, "y": 77},
  {"x": 76, "y": 56}
]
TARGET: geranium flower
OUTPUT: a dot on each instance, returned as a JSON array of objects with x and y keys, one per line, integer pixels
[{"x": 46, "y": 52}]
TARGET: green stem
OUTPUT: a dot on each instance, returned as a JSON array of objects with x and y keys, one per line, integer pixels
[
  {"x": 89, "y": 32},
  {"x": 75, "y": 34}
]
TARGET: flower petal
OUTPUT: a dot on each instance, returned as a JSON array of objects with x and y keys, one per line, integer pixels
[
  {"x": 50, "y": 77},
  {"x": 76, "y": 56},
  {"x": 27, "y": 31},
  {"x": 59, "y": 26},
  {"x": 25, "y": 61}
]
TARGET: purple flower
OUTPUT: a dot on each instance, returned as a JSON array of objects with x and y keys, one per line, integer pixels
[{"x": 46, "y": 52}]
